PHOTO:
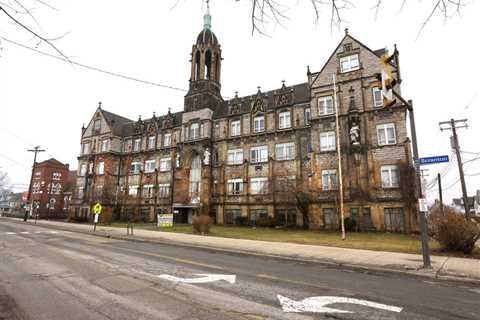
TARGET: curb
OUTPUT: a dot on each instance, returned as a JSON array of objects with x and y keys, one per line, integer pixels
[{"x": 448, "y": 278}]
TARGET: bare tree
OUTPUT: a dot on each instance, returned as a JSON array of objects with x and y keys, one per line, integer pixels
[
  {"x": 264, "y": 12},
  {"x": 4, "y": 185},
  {"x": 20, "y": 12}
]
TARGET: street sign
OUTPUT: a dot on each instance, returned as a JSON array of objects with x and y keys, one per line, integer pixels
[
  {"x": 433, "y": 160},
  {"x": 422, "y": 205},
  {"x": 97, "y": 208}
]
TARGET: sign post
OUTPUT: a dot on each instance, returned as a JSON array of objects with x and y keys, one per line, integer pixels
[{"x": 97, "y": 209}]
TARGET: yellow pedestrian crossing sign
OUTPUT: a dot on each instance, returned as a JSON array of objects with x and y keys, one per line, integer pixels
[{"x": 97, "y": 208}]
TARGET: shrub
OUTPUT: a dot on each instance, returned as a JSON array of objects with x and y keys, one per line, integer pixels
[
  {"x": 454, "y": 233},
  {"x": 350, "y": 224},
  {"x": 267, "y": 222},
  {"x": 241, "y": 221},
  {"x": 201, "y": 224}
]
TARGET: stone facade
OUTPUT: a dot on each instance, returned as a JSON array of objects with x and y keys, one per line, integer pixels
[{"x": 253, "y": 156}]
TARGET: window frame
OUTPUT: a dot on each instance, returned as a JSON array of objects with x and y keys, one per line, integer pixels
[
  {"x": 235, "y": 187},
  {"x": 259, "y": 119},
  {"x": 263, "y": 185},
  {"x": 327, "y": 135},
  {"x": 285, "y": 115},
  {"x": 393, "y": 176},
  {"x": 101, "y": 168},
  {"x": 105, "y": 145},
  {"x": 151, "y": 142},
  {"x": 284, "y": 148},
  {"x": 137, "y": 145},
  {"x": 133, "y": 188},
  {"x": 258, "y": 150},
  {"x": 307, "y": 116},
  {"x": 150, "y": 188},
  {"x": 135, "y": 167},
  {"x": 348, "y": 59},
  {"x": 165, "y": 164},
  {"x": 237, "y": 125},
  {"x": 329, "y": 186},
  {"x": 323, "y": 109},
  {"x": 163, "y": 190},
  {"x": 376, "y": 103},
  {"x": 234, "y": 152},
  {"x": 148, "y": 164},
  {"x": 167, "y": 137},
  {"x": 385, "y": 127}
]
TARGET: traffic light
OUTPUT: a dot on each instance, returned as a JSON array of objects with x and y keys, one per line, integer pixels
[{"x": 387, "y": 80}]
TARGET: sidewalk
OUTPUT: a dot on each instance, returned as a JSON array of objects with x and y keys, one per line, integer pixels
[{"x": 444, "y": 268}]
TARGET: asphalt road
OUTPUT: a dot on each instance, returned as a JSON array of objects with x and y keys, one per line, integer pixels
[{"x": 50, "y": 274}]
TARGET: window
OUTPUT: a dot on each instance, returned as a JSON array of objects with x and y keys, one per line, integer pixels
[
  {"x": 231, "y": 216},
  {"x": 256, "y": 214},
  {"x": 235, "y": 156},
  {"x": 285, "y": 151},
  {"x": 97, "y": 124},
  {"x": 101, "y": 168},
  {"x": 194, "y": 131},
  {"x": 135, "y": 167},
  {"x": 56, "y": 188},
  {"x": 394, "y": 219},
  {"x": 86, "y": 148},
  {"x": 132, "y": 190},
  {"x": 136, "y": 145},
  {"x": 390, "y": 176},
  {"x": 258, "y": 185},
  {"x": 284, "y": 121},
  {"x": 56, "y": 176},
  {"x": 126, "y": 145},
  {"x": 167, "y": 139},
  {"x": 163, "y": 190},
  {"x": 330, "y": 218},
  {"x": 105, "y": 145},
  {"x": 150, "y": 166},
  {"x": 147, "y": 191},
  {"x": 377, "y": 97},
  {"x": 235, "y": 129},
  {"x": 151, "y": 142},
  {"x": 349, "y": 63},
  {"x": 325, "y": 105},
  {"x": 259, "y": 124},
  {"x": 329, "y": 180},
  {"x": 38, "y": 173},
  {"x": 165, "y": 164},
  {"x": 307, "y": 116},
  {"x": 286, "y": 217},
  {"x": 83, "y": 170},
  {"x": 195, "y": 175},
  {"x": 259, "y": 154},
  {"x": 234, "y": 186},
  {"x": 386, "y": 134},
  {"x": 327, "y": 141}
]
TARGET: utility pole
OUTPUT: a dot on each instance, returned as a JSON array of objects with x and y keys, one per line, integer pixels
[
  {"x": 36, "y": 150},
  {"x": 440, "y": 195},
  {"x": 340, "y": 177},
  {"x": 454, "y": 125},
  {"x": 423, "y": 218}
]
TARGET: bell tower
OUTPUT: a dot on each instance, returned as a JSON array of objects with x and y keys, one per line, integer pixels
[{"x": 206, "y": 60}]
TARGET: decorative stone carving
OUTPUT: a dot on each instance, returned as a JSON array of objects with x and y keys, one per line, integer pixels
[
  {"x": 206, "y": 157},
  {"x": 354, "y": 133}
]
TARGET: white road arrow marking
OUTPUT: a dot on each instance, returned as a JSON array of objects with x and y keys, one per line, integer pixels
[
  {"x": 318, "y": 304},
  {"x": 204, "y": 278}
]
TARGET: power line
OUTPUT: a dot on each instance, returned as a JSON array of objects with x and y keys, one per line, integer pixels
[
  {"x": 111, "y": 73},
  {"x": 14, "y": 161}
]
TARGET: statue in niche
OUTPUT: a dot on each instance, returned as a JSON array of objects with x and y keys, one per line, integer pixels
[
  {"x": 206, "y": 157},
  {"x": 355, "y": 133}
]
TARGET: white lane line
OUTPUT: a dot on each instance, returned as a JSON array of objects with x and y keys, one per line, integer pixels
[
  {"x": 11, "y": 233},
  {"x": 54, "y": 232},
  {"x": 204, "y": 278},
  {"x": 24, "y": 232},
  {"x": 38, "y": 231}
]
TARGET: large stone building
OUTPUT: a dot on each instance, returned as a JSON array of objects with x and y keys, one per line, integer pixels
[{"x": 269, "y": 154}]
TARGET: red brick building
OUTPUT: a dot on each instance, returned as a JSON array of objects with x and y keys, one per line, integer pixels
[{"x": 50, "y": 180}]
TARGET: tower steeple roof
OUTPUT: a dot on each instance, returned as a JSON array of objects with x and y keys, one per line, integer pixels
[
  {"x": 207, "y": 18},
  {"x": 206, "y": 36}
]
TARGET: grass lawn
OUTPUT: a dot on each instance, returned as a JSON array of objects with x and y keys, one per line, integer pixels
[{"x": 377, "y": 241}]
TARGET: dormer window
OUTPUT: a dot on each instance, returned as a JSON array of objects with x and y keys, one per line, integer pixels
[{"x": 349, "y": 63}]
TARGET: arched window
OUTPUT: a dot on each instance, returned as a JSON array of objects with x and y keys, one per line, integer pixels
[
  {"x": 197, "y": 65},
  {"x": 195, "y": 175},
  {"x": 208, "y": 64}
]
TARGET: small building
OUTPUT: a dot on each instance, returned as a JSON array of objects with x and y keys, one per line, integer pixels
[{"x": 50, "y": 179}]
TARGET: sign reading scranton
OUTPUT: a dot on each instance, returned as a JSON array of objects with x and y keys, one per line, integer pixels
[{"x": 433, "y": 160}]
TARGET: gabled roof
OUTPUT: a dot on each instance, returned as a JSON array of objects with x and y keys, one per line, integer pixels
[
  {"x": 51, "y": 162},
  {"x": 115, "y": 121}
]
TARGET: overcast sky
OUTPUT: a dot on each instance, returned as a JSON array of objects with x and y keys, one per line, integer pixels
[{"x": 44, "y": 101}]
